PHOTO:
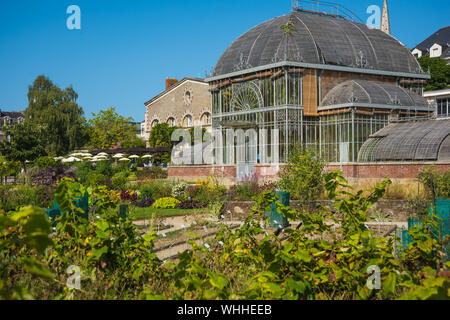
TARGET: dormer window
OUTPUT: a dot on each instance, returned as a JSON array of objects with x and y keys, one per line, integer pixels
[{"x": 436, "y": 51}]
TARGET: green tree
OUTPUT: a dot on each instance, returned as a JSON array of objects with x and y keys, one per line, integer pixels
[
  {"x": 440, "y": 72},
  {"x": 108, "y": 128},
  {"x": 303, "y": 174},
  {"x": 161, "y": 136},
  {"x": 8, "y": 168},
  {"x": 24, "y": 143},
  {"x": 57, "y": 113},
  {"x": 133, "y": 142}
]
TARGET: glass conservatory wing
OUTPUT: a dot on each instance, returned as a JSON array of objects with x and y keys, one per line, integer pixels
[
  {"x": 374, "y": 93},
  {"x": 420, "y": 141}
]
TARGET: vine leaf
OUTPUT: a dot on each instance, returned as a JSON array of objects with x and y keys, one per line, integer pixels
[{"x": 288, "y": 27}]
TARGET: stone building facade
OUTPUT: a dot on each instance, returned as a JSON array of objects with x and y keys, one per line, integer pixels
[{"x": 185, "y": 103}]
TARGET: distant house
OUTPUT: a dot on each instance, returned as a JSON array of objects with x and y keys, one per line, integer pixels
[
  {"x": 9, "y": 119},
  {"x": 441, "y": 100},
  {"x": 185, "y": 103},
  {"x": 140, "y": 132},
  {"x": 437, "y": 45}
]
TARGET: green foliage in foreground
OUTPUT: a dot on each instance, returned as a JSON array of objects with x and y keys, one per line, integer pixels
[{"x": 327, "y": 258}]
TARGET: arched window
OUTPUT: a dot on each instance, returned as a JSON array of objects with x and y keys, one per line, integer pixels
[
  {"x": 206, "y": 119},
  {"x": 171, "y": 122},
  {"x": 155, "y": 123},
  {"x": 187, "y": 121}
]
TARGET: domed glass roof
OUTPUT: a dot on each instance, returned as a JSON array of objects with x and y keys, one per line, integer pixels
[
  {"x": 313, "y": 39},
  {"x": 372, "y": 92}
]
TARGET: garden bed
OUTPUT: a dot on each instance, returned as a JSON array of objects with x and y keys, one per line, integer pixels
[
  {"x": 151, "y": 213},
  {"x": 397, "y": 210}
]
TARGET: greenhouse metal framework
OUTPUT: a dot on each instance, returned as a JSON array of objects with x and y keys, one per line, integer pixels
[
  {"x": 320, "y": 81},
  {"x": 426, "y": 140}
]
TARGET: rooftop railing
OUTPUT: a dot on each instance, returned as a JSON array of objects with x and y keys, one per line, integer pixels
[{"x": 325, "y": 8}]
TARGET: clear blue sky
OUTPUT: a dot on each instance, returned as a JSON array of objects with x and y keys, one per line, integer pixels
[{"x": 126, "y": 49}]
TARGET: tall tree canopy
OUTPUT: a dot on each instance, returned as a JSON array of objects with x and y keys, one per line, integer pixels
[
  {"x": 161, "y": 136},
  {"x": 24, "y": 143},
  {"x": 440, "y": 72},
  {"x": 57, "y": 113},
  {"x": 107, "y": 129}
]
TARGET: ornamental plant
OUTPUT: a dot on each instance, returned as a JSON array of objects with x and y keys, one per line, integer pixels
[
  {"x": 128, "y": 195},
  {"x": 179, "y": 191},
  {"x": 166, "y": 203},
  {"x": 303, "y": 174},
  {"x": 192, "y": 204},
  {"x": 144, "y": 203},
  {"x": 208, "y": 190}
]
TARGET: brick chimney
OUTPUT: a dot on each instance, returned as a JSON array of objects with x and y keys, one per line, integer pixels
[{"x": 170, "y": 82}]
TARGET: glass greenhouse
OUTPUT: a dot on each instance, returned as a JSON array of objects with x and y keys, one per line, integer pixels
[{"x": 311, "y": 80}]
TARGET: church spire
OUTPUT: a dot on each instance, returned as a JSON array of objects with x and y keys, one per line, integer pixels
[{"x": 385, "y": 23}]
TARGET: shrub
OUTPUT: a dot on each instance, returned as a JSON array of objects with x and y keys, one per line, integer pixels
[
  {"x": 86, "y": 169},
  {"x": 83, "y": 170},
  {"x": 128, "y": 196},
  {"x": 44, "y": 196},
  {"x": 179, "y": 191},
  {"x": 132, "y": 177},
  {"x": 247, "y": 191},
  {"x": 105, "y": 168},
  {"x": 191, "y": 204},
  {"x": 9, "y": 168},
  {"x": 302, "y": 175},
  {"x": 45, "y": 162},
  {"x": 156, "y": 189},
  {"x": 97, "y": 179},
  {"x": 51, "y": 175},
  {"x": 152, "y": 173},
  {"x": 145, "y": 203},
  {"x": 193, "y": 191},
  {"x": 12, "y": 199},
  {"x": 119, "y": 180},
  {"x": 208, "y": 191},
  {"x": 166, "y": 203},
  {"x": 437, "y": 185}
]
